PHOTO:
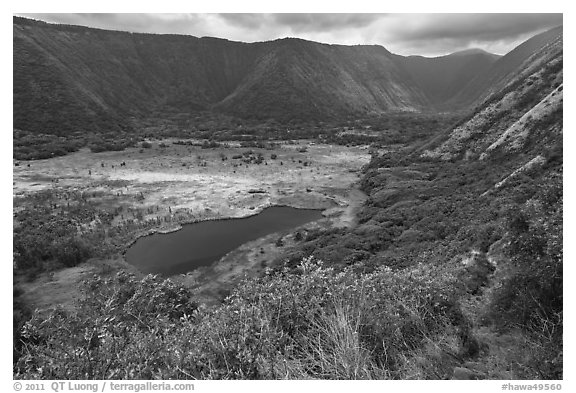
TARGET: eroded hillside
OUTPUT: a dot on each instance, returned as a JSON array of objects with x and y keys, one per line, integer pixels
[
  {"x": 524, "y": 116},
  {"x": 452, "y": 267},
  {"x": 73, "y": 79}
]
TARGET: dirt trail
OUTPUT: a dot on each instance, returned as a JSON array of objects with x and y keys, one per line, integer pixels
[{"x": 347, "y": 217}]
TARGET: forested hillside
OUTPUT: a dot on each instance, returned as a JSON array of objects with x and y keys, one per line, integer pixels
[
  {"x": 73, "y": 79},
  {"x": 453, "y": 271}
]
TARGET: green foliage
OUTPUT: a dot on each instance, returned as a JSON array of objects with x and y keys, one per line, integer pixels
[
  {"x": 210, "y": 144},
  {"x": 20, "y": 314},
  {"x": 533, "y": 292},
  {"x": 385, "y": 305},
  {"x": 426, "y": 212},
  {"x": 387, "y": 302},
  {"x": 118, "y": 143},
  {"x": 122, "y": 330},
  {"x": 310, "y": 323},
  {"x": 30, "y": 146},
  {"x": 58, "y": 228},
  {"x": 530, "y": 296},
  {"x": 412, "y": 211},
  {"x": 52, "y": 239}
]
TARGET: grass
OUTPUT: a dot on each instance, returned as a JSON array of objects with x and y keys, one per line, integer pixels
[
  {"x": 336, "y": 350},
  {"x": 313, "y": 323}
]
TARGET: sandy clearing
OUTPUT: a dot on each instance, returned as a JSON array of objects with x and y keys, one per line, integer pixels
[{"x": 188, "y": 177}]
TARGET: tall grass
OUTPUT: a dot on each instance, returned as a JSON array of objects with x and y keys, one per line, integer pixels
[
  {"x": 312, "y": 323},
  {"x": 335, "y": 350}
]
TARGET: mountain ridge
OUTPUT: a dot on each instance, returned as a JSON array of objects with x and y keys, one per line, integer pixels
[
  {"x": 78, "y": 79},
  {"x": 504, "y": 68}
]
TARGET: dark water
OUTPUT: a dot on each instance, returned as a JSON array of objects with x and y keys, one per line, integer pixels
[{"x": 203, "y": 243}]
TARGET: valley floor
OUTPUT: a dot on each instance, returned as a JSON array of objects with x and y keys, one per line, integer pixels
[
  {"x": 437, "y": 273},
  {"x": 142, "y": 190}
]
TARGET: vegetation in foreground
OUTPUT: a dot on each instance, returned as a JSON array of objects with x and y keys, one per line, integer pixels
[
  {"x": 310, "y": 323},
  {"x": 431, "y": 284},
  {"x": 391, "y": 299}
]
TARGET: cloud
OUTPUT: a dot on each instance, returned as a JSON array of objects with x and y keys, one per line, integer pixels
[
  {"x": 299, "y": 23},
  {"x": 424, "y": 34},
  {"x": 325, "y": 22},
  {"x": 137, "y": 23},
  {"x": 248, "y": 21},
  {"x": 471, "y": 26},
  {"x": 450, "y": 32}
]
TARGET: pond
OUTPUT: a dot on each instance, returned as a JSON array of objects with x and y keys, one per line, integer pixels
[{"x": 202, "y": 243}]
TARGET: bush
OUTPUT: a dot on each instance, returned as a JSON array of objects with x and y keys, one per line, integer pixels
[
  {"x": 533, "y": 292},
  {"x": 308, "y": 323},
  {"x": 20, "y": 314},
  {"x": 122, "y": 330},
  {"x": 31, "y": 146},
  {"x": 530, "y": 296}
]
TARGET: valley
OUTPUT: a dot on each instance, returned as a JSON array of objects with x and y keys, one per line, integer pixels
[
  {"x": 166, "y": 184},
  {"x": 427, "y": 244}
]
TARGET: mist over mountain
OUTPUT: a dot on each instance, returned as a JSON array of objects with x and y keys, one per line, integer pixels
[
  {"x": 441, "y": 78},
  {"x": 528, "y": 54}
]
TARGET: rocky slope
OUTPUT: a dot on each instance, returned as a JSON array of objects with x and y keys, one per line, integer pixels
[
  {"x": 521, "y": 59},
  {"x": 524, "y": 116}
]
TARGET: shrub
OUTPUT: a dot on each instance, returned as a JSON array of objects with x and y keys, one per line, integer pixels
[
  {"x": 530, "y": 296},
  {"x": 381, "y": 318},
  {"x": 311, "y": 322},
  {"x": 20, "y": 314},
  {"x": 122, "y": 330}
]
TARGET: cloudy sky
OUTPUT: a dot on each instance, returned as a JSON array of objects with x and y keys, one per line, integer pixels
[{"x": 406, "y": 34}]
